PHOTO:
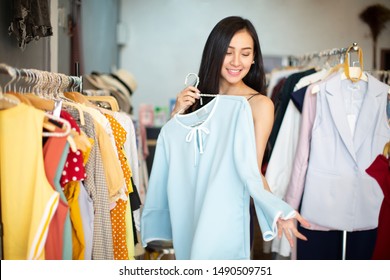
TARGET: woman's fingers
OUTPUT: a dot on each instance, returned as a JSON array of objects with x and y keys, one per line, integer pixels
[
  {"x": 289, "y": 229},
  {"x": 288, "y": 235},
  {"x": 301, "y": 220},
  {"x": 186, "y": 98},
  {"x": 299, "y": 235},
  {"x": 189, "y": 92}
]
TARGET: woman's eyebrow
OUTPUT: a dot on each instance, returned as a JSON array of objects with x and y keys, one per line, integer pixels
[{"x": 246, "y": 48}]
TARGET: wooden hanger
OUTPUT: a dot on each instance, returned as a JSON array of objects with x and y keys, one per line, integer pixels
[
  {"x": 386, "y": 150},
  {"x": 39, "y": 102},
  {"x": 354, "y": 73},
  {"x": 334, "y": 69},
  {"x": 20, "y": 97},
  {"x": 107, "y": 99},
  {"x": 87, "y": 100},
  {"x": 77, "y": 97}
]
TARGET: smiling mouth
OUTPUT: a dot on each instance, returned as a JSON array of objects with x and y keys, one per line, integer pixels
[{"x": 234, "y": 71}]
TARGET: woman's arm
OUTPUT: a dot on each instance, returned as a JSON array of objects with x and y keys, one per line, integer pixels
[{"x": 263, "y": 119}]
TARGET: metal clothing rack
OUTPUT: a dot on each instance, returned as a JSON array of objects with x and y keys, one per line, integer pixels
[
  {"x": 39, "y": 79},
  {"x": 327, "y": 53}
]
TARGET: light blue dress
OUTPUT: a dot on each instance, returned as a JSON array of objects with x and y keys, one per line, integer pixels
[{"x": 204, "y": 172}]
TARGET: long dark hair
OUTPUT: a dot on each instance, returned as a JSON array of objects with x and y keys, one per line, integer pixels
[{"x": 214, "y": 54}]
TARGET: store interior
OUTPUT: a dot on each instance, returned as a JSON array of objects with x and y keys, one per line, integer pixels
[{"x": 146, "y": 49}]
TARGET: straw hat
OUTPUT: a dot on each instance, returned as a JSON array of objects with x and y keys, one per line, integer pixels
[
  {"x": 110, "y": 81},
  {"x": 127, "y": 79}
]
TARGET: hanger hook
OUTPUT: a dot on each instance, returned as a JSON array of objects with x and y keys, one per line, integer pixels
[
  {"x": 12, "y": 72},
  {"x": 196, "y": 79}
]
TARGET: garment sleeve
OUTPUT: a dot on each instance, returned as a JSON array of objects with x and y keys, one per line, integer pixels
[
  {"x": 268, "y": 207},
  {"x": 281, "y": 160},
  {"x": 155, "y": 217},
  {"x": 297, "y": 180}
]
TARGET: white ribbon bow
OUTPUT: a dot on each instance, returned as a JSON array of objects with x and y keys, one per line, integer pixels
[{"x": 197, "y": 132}]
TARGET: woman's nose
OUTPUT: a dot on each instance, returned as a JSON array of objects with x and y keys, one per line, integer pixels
[{"x": 235, "y": 61}]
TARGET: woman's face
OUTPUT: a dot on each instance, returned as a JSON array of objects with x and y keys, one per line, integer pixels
[{"x": 238, "y": 58}]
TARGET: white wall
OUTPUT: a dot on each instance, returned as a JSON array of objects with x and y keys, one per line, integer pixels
[{"x": 165, "y": 38}]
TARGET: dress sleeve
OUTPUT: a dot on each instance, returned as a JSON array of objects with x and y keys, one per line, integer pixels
[
  {"x": 155, "y": 217},
  {"x": 301, "y": 161},
  {"x": 268, "y": 206}
]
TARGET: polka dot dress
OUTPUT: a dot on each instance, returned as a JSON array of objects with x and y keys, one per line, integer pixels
[
  {"x": 118, "y": 213},
  {"x": 120, "y": 135},
  {"x": 118, "y": 221},
  {"x": 74, "y": 169}
]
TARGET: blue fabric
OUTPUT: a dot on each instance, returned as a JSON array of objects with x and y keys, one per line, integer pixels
[
  {"x": 204, "y": 172},
  {"x": 298, "y": 97}
]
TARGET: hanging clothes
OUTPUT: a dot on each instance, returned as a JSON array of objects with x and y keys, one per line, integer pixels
[
  {"x": 118, "y": 212},
  {"x": 96, "y": 185},
  {"x": 331, "y": 154},
  {"x": 353, "y": 153},
  {"x": 380, "y": 171},
  {"x": 58, "y": 239},
  {"x": 193, "y": 169},
  {"x": 31, "y": 21},
  {"x": 281, "y": 104},
  {"x": 280, "y": 164},
  {"x": 80, "y": 180},
  {"x": 28, "y": 209}
]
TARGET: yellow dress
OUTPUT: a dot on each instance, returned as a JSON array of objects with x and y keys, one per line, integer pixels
[{"x": 28, "y": 201}]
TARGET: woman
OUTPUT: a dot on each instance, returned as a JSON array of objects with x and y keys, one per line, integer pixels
[{"x": 232, "y": 64}]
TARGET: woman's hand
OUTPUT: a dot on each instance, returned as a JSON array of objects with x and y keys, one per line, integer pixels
[
  {"x": 288, "y": 227},
  {"x": 185, "y": 99}
]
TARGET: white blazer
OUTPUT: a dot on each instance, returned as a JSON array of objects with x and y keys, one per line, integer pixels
[{"x": 338, "y": 193}]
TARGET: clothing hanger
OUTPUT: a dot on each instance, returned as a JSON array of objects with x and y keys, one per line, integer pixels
[
  {"x": 334, "y": 69},
  {"x": 187, "y": 83},
  {"x": 7, "y": 101},
  {"x": 113, "y": 103},
  {"x": 45, "y": 102},
  {"x": 386, "y": 150},
  {"x": 54, "y": 130},
  {"x": 82, "y": 99},
  {"x": 63, "y": 84},
  {"x": 36, "y": 97},
  {"x": 354, "y": 73}
]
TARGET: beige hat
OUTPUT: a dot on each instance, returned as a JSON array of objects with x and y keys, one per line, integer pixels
[
  {"x": 110, "y": 81},
  {"x": 116, "y": 88},
  {"x": 127, "y": 79}
]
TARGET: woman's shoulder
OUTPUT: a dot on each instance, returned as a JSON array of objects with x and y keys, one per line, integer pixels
[
  {"x": 260, "y": 100},
  {"x": 262, "y": 108}
]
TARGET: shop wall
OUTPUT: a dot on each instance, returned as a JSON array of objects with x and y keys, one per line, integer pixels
[
  {"x": 164, "y": 39},
  {"x": 99, "y": 22}
]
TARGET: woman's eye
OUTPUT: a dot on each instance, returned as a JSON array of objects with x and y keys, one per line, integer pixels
[{"x": 245, "y": 54}]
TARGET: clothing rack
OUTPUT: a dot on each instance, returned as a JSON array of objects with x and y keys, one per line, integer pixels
[
  {"x": 382, "y": 75},
  {"x": 39, "y": 81},
  {"x": 327, "y": 53}
]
